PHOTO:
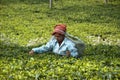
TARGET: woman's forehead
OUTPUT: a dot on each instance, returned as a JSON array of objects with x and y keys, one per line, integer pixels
[{"x": 58, "y": 34}]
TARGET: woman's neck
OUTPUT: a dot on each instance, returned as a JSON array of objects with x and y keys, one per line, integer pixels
[{"x": 60, "y": 42}]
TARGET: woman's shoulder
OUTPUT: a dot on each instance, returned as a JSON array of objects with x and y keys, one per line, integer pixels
[
  {"x": 69, "y": 42},
  {"x": 52, "y": 39}
]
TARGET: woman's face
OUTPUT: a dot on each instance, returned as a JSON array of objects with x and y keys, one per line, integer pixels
[{"x": 59, "y": 37}]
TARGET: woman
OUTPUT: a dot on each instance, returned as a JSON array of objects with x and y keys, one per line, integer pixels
[{"x": 58, "y": 44}]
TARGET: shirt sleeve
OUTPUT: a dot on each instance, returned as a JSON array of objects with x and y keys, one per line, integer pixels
[
  {"x": 44, "y": 48},
  {"x": 73, "y": 51}
]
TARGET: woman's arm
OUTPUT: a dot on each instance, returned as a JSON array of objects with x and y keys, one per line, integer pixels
[
  {"x": 73, "y": 51},
  {"x": 43, "y": 48}
]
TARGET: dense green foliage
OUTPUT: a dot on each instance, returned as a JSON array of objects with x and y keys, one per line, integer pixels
[{"x": 25, "y": 24}]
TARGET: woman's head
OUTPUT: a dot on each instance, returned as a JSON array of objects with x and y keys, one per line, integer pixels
[
  {"x": 60, "y": 28},
  {"x": 59, "y": 32},
  {"x": 59, "y": 37}
]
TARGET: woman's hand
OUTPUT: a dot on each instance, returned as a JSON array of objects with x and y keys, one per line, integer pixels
[
  {"x": 31, "y": 52},
  {"x": 68, "y": 53}
]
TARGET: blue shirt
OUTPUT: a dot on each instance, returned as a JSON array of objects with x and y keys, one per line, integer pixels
[{"x": 53, "y": 45}]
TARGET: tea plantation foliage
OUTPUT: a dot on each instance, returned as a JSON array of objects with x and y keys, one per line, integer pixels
[{"x": 25, "y": 24}]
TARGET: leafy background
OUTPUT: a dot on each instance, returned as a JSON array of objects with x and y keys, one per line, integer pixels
[{"x": 25, "y": 24}]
